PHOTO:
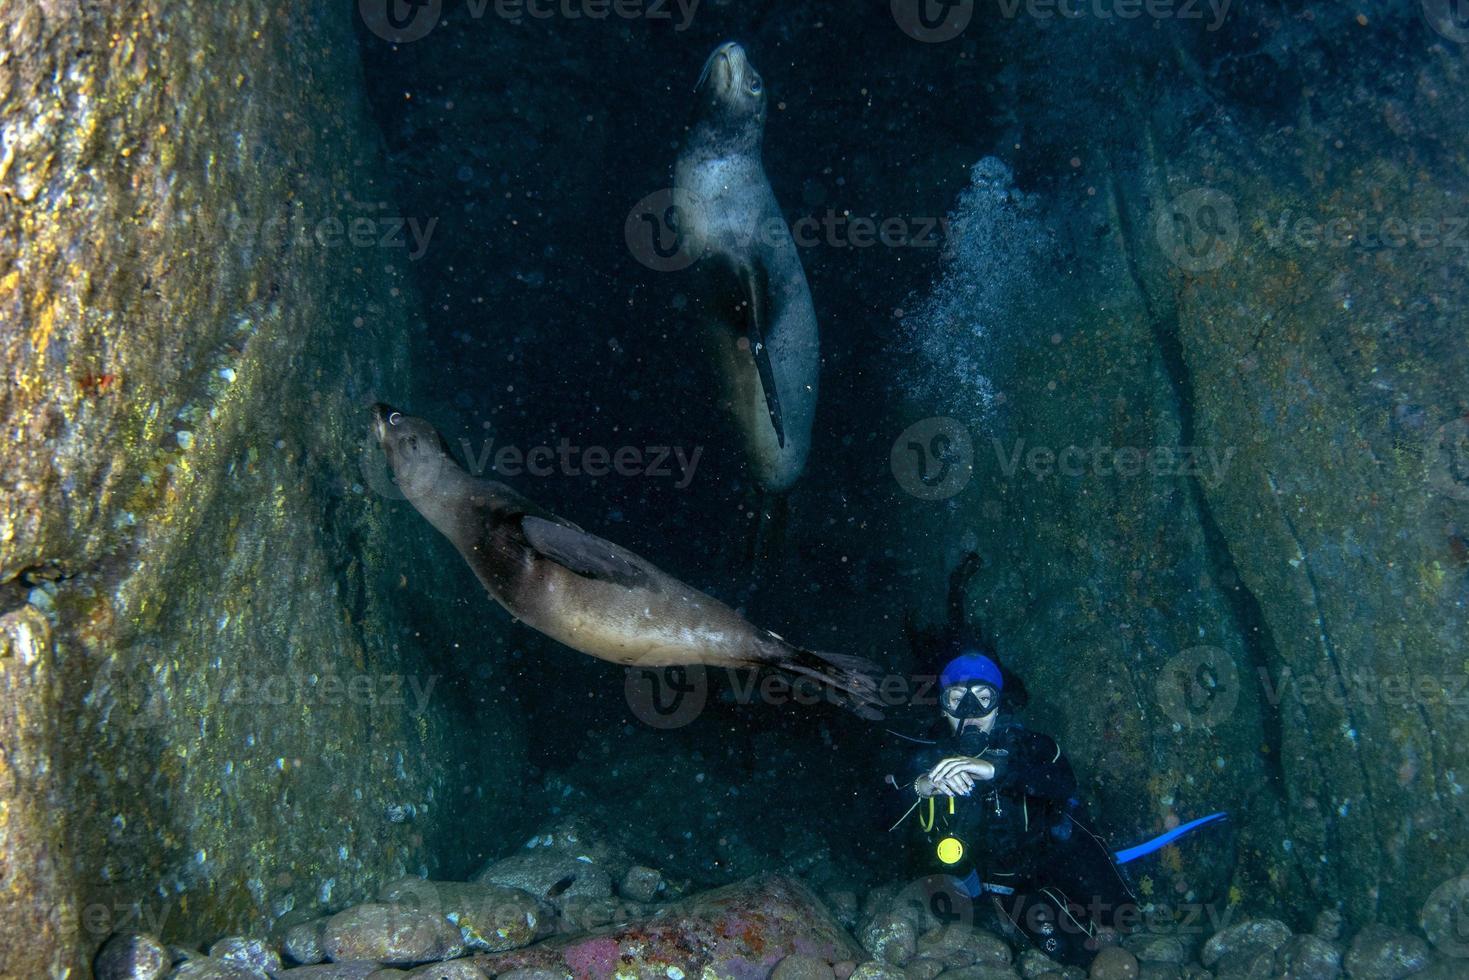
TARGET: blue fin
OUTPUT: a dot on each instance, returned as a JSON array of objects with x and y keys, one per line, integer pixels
[{"x": 1163, "y": 840}]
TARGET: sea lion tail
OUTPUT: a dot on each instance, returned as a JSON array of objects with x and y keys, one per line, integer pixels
[{"x": 851, "y": 681}]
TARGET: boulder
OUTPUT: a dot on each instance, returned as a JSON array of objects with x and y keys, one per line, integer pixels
[
  {"x": 1307, "y": 958},
  {"x": 739, "y": 930},
  {"x": 490, "y": 918},
  {"x": 346, "y": 970},
  {"x": 392, "y": 934},
  {"x": 1382, "y": 953},
  {"x": 132, "y": 957},
  {"x": 252, "y": 954},
  {"x": 1114, "y": 963}
]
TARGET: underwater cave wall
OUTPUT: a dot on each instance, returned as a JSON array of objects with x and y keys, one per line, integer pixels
[
  {"x": 226, "y": 649},
  {"x": 1254, "y": 288}
]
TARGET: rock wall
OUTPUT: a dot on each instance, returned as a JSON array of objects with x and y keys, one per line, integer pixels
[
  {"x": 1259, "y": 258},
  {"x": 228, "y": 656}
]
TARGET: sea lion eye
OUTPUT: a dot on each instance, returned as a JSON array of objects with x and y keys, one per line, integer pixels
[
  {"x": 395, "y": 418},
  {"x": 756, "y": 86}
]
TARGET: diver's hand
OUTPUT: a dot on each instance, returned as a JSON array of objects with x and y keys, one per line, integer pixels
[{"x": 956, "y": 775}]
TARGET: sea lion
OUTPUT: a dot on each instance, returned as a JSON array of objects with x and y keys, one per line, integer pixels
[
  {"x": 752, "y": 292},
  {"x": 583, "y": 591}
]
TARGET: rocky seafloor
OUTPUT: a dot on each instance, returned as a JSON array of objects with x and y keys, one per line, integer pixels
[{"x": 571, "y": 905}]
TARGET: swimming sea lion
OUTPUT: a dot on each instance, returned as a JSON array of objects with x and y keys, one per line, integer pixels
[
  {"x": 754, "y": 296},
  {"x": 585, "y": 592}
]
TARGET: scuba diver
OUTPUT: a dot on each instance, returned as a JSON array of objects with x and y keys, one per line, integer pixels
[
  {"x": 998, "y": 803},
  {"x": 999, "y": 807}
]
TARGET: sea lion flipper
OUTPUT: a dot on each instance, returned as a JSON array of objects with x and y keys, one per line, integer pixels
[
  {"x": 585, "y": 554},
  {"x": 755, "y": 283}
]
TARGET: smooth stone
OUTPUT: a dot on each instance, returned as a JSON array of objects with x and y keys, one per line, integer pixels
[
  {"x": 961, "y": 945},
  {"x": 1244, "y": 939},
  {"x": 874, "y": 970},
  {"x": 1443, "y": 915},
  {"x": 132, "y": 956},
  {"x": 490, "y": 918},
  {"x": 1383, "y": 953},
  {"x": 981, "y": 971},
  {"x": 396, "y": 935},
  {"x": 452, "y": 970},
  {"x": 890, "y": 939},
  {"x": 346, "y": 970},
  {"x": 542, "y": 870},
  {"x": 534, "y": 973},
  {"x": 302, "y": 942},
  {"x": 924, "y": 968},
  {"x": 1032, "y": 963},
  {"x": 799, "y": 967},
  {"x": 741, "y": 930},
  {"x": 250, "y": 953},
  {"x": 208, "y": 968},
  {"x": 1151, "y": 947},
  {"x": 1114, "y": 963},
  {"x": 1307, "y": 958},
  {"x": 1154, "y": 970},
  {"x": 641, "y": 884}
]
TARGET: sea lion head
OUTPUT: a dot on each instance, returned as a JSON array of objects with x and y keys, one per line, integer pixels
[
  {"x": 417, "y": 455},
  {"x": 731, "y": 93}
]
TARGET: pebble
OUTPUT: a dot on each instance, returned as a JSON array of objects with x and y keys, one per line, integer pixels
[
  {"x": 873, "y": 970},
  {"x": 539, "y": 871},
  {"x": 250, "y": 953},
  {"x": 959, "y": 945},
  {"x": 1443, "y": 916},
  {"x": 798, "y": 967},
  {"x": 132, "y": 957},
  {"x": 347, "y": 970},
  {"x": 924, "y": 968},
  {"x": 453, "y": 970},
  {"x": 1383, "y": 953},
  {"x": 490, "y": 918},
  {"x": 303, "y": 942},
  {"x": 1153, "y": 970},
  {"x": 1308, "y": 958},
  {"x": 209, "y": 968},
  {"x": 1114, "y": 963},
  {"x": 889, "y": 939},
  {"x": 393, "y": 934},
  {"x": 1150, "y": 947},
  {"x": 641, "y": 884},
  {"x": 534, "y": 973},
  {"x": 1237, "y": 948},
  {"x": 981, "y": 971}
]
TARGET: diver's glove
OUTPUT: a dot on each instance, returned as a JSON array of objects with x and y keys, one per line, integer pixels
[{"x": 955, "y": 776}]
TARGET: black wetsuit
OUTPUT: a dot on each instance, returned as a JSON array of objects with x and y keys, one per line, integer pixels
[{"x": 1024, "y": 842}]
